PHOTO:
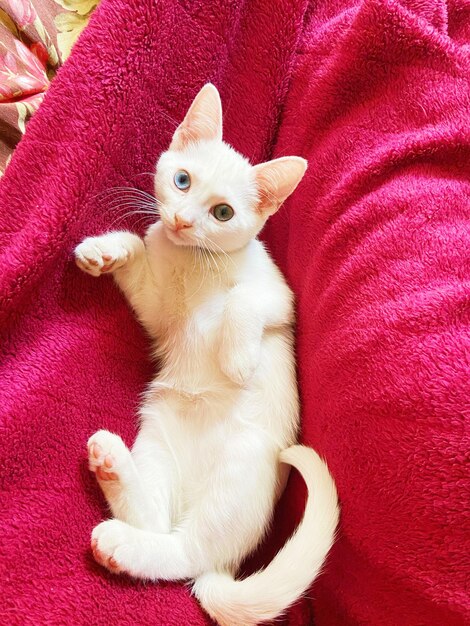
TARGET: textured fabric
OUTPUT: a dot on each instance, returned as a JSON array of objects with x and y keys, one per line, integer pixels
[
  {"x": 378, "y": 240},
  {"x": 375, "y": 243}
]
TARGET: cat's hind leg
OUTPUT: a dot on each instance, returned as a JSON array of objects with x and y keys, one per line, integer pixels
[
  {"x": 122, "y": 548},
  {"x": 116, "y": 473}
]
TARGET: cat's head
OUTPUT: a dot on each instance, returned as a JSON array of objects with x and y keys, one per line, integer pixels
[{"x": 210, "y": 195}]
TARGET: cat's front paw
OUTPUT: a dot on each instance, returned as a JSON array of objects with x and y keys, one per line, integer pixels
[
  {"x": 98, "y": 255},
  {"x": 240, "y": 362}
]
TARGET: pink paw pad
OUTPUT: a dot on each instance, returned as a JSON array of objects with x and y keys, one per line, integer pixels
[
  {"x": 108, "y": 562},
  {"x": 102, "y": 473}
]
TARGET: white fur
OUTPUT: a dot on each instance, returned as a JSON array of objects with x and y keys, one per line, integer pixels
[{"x": 196, "y": 494}]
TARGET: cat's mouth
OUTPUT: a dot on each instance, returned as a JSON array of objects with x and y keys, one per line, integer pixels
[{"x": 179, "y": 237}]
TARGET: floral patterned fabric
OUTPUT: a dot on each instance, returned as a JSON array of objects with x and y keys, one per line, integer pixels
[{"x": 36, "y": 37}]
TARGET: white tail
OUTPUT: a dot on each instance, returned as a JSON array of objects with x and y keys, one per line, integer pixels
[{"x": 267, "y": 593}]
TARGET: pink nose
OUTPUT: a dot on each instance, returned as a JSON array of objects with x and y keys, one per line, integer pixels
[{"x": 181, "y": 223}]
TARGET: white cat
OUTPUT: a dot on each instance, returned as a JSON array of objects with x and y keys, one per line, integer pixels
[{"x": 196, "y": 494}]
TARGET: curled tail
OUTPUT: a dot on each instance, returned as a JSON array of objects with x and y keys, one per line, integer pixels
[{"x": 267, "y": 593}]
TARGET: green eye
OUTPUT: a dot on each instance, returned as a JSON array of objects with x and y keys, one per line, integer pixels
[
  {"x": 182, "y": 180},
  {"x": 222, "y": 212}
]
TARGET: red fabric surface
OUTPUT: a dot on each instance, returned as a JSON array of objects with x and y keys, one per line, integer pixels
[{"x": 375, "y": 243}]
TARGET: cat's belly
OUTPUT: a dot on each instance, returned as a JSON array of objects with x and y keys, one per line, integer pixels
[
  {"x": 200, "y": 438},
  {"x": 218, "y": 439}
]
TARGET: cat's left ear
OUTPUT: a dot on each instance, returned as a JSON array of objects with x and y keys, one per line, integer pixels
[
  {"x": 202, "y": 121},
  {"x": 276, "y": 180}
]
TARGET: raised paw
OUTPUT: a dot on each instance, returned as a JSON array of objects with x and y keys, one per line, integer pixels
[
  {"x": 107, "y": 455},
  {"x": 111, "y": 544},
  {"x": 99, "y": 255},
  {"x": 239, "y": 363}
]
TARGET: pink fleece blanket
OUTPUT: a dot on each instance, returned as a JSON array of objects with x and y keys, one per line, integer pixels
[{"x": 375, "y": 243}]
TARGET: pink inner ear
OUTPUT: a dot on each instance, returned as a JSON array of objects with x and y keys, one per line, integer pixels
[
  {"x": 268, "y": 201},
  {"x": 181, "y": 138},
  {"x": 276, "y": 180},
  {"x": 203, "y": 121}
]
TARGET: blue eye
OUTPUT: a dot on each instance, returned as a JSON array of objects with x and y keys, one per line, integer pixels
[{"x": 182, "y": 180}]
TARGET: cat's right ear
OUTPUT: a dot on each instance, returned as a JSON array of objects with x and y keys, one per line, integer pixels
[{"x": 203, "y": 121}]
